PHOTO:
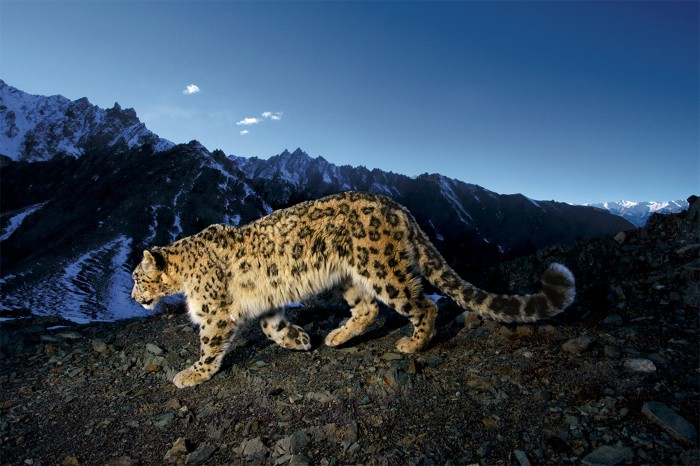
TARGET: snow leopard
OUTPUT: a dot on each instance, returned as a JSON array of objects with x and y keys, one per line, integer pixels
[{"x": 368, "y": 245}]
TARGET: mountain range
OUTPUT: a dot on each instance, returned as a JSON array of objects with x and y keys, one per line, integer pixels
[
  {"x": 639, "y": 212},
  {"x": 84, "y": 190}
]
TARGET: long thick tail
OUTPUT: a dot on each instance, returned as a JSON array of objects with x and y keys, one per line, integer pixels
[{"x": 558, "y": 289}]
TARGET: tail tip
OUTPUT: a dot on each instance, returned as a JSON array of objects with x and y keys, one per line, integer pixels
[
  {"x": 560, "y": 275},
  {"x": 560, "y": 286}
]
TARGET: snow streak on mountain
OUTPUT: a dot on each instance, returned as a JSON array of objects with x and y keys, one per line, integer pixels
[{"x": 84, "y": 191}]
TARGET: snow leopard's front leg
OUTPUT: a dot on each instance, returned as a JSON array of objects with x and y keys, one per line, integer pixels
[{"x": 215, "y": 333}]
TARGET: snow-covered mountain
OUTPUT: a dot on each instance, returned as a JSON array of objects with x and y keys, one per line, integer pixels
[
  {"x": 639, "y": 212},
  {"x": 73, "y": 227},
  {"x": 34, "y": 128}
]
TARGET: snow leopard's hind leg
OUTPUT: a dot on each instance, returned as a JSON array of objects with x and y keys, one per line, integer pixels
[
  {"x": 364, "y": 310},
  {"x": 422, "y": 315},
  {"x": 278, "y": 329},
  {"x": 407, "y": 299}
]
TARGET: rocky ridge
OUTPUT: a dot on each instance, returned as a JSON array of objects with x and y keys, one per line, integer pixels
[{"x": 615, "y": 380}]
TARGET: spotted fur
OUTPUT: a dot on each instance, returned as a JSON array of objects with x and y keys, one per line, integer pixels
[{"x": 368, "y": 245}]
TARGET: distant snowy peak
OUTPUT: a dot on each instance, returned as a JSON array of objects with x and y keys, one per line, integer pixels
[
  {"x": 34, "y": 128},
  {"x": 639, "y": 212}
]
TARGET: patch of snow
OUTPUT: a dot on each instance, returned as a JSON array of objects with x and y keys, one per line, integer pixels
[
  {"x": 16, "y": 221},
  {"x": 178, "y": 228},
  {"x": 234, "y": 220},
  {"x": 533, "y": 202},
  {"x": 152, "y": 228},
  {"x": 381, "y": 189},
  {"x": 77, "y": 288},
  {"x": 79, "y": 292},
  {"x": 454, "y": 200},
  {"x": 625, "y": 204},
  {"x": 118, "y": 294}
]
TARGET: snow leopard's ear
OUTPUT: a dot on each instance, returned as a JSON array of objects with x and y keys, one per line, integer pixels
[{"x": 153, "y": 260}]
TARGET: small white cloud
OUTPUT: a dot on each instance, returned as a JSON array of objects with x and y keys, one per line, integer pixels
[
  {"x": 272, "y": 115},
  {"x": 249, "y": 121},
  {"x": 254, "y": 121},
  {"x": 191, "y": 89}
]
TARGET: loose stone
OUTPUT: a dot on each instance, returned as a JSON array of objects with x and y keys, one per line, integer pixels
[
  {"x": 180, "y": 448},
  {"x": 640, "y": 365},
  {"x": 577, "y": 345},
  {"x": 153, "y": 349},
  {"x": 674, "y": 424},
  {"x": 521, "y": 457},
  {"x": 608, "y": 456},
  {"x": 99, "y": 345},
  {"x": 163, "y": 421},
  {"x": 200, "y": 455}
]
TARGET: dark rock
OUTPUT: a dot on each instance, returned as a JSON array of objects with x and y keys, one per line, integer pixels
[
  {"x": 484, "y": 450},
  {"x": 253, "y": 447},
  {"x": 99, "y": 345},
  {"x": 612, "y": 352},
  {"x": 201, "y": 455},
  {"x": 674, "y": 424},
  {"x": 292, "y": 444},
  {"x": 299, "y": 460},
  {"x": 178, "y": 451},
  {"x": 608, "y": 456},
  {"x": 577, "y": 345},
  {"x": 154, "y": 349},
  {"x": 612, "y": 320},
  {"x": 521, "y": 457},
  {"x": 163, "y": 421},
  {"x": 690, "y": 457}
]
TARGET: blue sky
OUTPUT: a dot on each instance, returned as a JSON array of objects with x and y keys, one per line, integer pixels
[{"x": 574, "y": 101}]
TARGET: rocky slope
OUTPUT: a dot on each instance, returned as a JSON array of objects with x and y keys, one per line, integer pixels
[
  {"x": 84, "y": 223},
  {"x": 613, "y": 381}
]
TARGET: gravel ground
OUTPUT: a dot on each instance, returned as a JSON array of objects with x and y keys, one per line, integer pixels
[{"x": 615, "y": 380}]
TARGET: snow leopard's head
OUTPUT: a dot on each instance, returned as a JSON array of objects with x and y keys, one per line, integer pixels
[{"x": 151, "y": 280}]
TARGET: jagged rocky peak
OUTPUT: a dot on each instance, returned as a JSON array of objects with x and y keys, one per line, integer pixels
[
  {"x": 38, "y": 128},
  {"x": 298, "y": 157},
  {"x": 126, "y": 116}
]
